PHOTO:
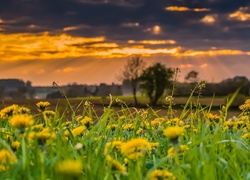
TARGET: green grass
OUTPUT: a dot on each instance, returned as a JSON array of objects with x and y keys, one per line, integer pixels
[{"x": 210, "y": 147}]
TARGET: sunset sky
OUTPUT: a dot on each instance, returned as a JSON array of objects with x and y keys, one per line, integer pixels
[{"x": 89, "y": 41}]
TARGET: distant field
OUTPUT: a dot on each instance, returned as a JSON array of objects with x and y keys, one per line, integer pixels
[{"x": 101, "y": 102}]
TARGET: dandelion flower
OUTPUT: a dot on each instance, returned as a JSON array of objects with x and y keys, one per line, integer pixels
[
  {"x": 8, "y": 111},
  {"x": 72, "y": 168},
  {"x": 245, "y": 106},
  {"x": 21, "y": 121},
  {"x": 161, "y": 174},
  {"x": 116, "y": 165},
  {"x": 136, "y": 148},
  {"x": 7, "y": 158},
  {"x": 173, "y": 151},
  {"x": 43, "y": 136},
  {"x": 87, "y": 121},
  {"x": 15, "y": 145},
  {"x": 42, "y": 105},
  {"x": 114, "y": 145},
  {"x": 77, "y": 131},
  {"x": 173, "y": 132}
]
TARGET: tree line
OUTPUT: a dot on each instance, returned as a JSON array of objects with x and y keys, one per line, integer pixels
[{"x": 158, "y": 80}]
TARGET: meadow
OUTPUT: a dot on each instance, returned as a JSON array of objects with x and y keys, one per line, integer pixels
[{"x": 80, "y": 139}]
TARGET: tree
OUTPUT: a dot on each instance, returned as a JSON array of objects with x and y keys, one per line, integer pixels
[
  {"x": 192, "y": 76},
  {"x": 155, "y": 80},
  {"x": 132, "y": 72}
]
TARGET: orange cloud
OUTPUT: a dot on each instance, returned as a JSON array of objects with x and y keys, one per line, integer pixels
[
  {"x": 40, "y": 71},
  {"x": 211, "y": 52},
  {"x": 240, "y": 14},
  {"x": 186, "y": 66},
  {"x": 156, "y": 29},
  {"x": 66, "y": 70},
  {"x": 25, "y": 46},
  {"x": 204, "y": 65},
  {"x": 70, "y": 28},
  {"x": 183, "y": 8},
  {"x": 152, "y": 42},
  {"x": 209, "y": 19}
]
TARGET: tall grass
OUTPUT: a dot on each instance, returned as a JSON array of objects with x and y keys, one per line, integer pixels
[{"x": 128, "y": 143}]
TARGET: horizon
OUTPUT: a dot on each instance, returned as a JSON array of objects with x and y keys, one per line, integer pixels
[{"x": 89, "y": 41}]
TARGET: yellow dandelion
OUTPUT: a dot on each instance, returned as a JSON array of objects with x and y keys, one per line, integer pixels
[
  {"x": 77, "y": 131},
  {"x": 43, "y": 136},
  {"x": 121, "y": 117},
  {"x": 161, "y": 174},
  {"x": 213, "y": 117},
  {"x": 87, "y": 121},
  {"x": 15, "y": 145},
  {"x": 112, "y": 126},
  {"x": 245, "y": 106},
  {"x": 246, "y": 136},
  {"x": 173, "y": 132},
  {"x": 195, "y": 130},
  {"x": 139, "y": 131},
  {"x": 8, "y": 111},
  {"x": 114, "y": 145},
  {"x": 116, "y": 165},
  {"x": 48, "y": 114},
  {"x": 37, "y": 127},
  {"x": 173, "y": 151},
  {"x": 135, "y": 148},
  {"x": 21, "y": 121},
  {"x": 7, "y": 158},
  {"x": 72, "y": 168},
  {"x": 42, "y": 105},
  {"x": 23, "y": 110},
  {"x": 128, "y": 127}
]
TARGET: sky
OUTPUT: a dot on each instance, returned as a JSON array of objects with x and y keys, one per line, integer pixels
[{"x": 90, "y": 41}]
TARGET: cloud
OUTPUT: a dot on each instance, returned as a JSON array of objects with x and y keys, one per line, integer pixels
[
  {"x": 154, "y": 30},
  {"x": 209, "y": 19},
  {"x": 66, "y": 70},
  {"x": 241, "y": 14},
  {"x": 123, "y": 3},
  {"x": 182, "y": 66},
  {"x": 183, "y": 8},
  {"x": 152, "y": 42},
  {"x": 204, "y": 65},
  {"x": 130, "y": 24}
]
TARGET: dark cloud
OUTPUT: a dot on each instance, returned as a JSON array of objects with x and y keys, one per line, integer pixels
[{"x": 105, "y": 17}]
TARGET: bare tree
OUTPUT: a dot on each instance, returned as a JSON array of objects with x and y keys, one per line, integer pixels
[
  {"x": 192, "y": 76},
  {"x": 132, "y": 72}
]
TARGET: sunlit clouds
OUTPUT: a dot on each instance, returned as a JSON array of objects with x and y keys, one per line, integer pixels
[
  {"x": 209, "y": 19},
  {"x": 14, "y": 47},
  {"x": 241, "y": 14},
  {"x": 204, "y": 65},
  {"x": 70, "y": 28},
  {"x": 130, "y": 24},
  {"x": 183, "y": 8},
  {"x": 152, "y": 42},
  {"x": 66, "y": 70},
  {"x": 156, "y": 29}
]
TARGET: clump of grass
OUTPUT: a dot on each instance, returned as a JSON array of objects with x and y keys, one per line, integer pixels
[{"x": 125, "y": 144}]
